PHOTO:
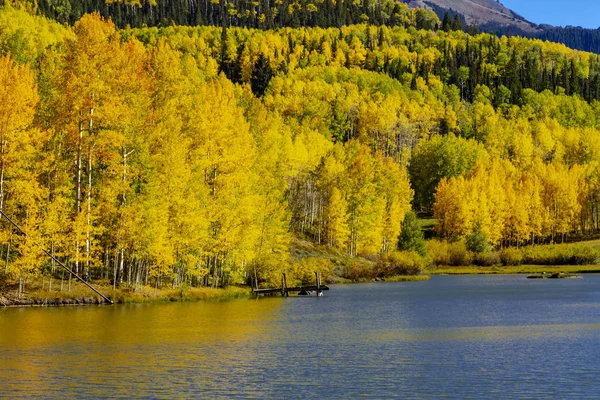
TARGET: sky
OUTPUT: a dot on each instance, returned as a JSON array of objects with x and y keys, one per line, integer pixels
[{"x": 585, "y": 13}]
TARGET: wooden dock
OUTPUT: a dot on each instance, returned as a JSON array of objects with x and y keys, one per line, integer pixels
[{"x": 285, "y": 291}]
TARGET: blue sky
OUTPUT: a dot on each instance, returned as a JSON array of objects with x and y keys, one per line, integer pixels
[{"x": 584, "y": 13}]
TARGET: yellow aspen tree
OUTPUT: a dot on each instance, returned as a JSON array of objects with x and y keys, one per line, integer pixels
[
  {"x": 18, "y": 99},
  {"x": 517, "y": 219},
  {"x": 88, "y": 104},
  {"x": 531, "y": 192},
  {"x": 21, "y": 162},
  {"x": 225, "y": 150},
  {"x": 394, "y": 188},
  {"x": 336, "y": 220}
]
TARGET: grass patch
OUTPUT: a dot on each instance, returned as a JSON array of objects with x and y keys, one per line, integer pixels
[
  {"x": 510, "y": 270},
  {"x": 407, "y": 278},
  {"x": 80, "y": 294},
  {"x": 397, "y": 278},
  {"x": 427, "y": 226}
]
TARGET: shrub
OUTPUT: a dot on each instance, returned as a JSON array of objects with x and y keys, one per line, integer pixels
[
  {"x": 459, "y": 255},
  {"x": 399, "y": 263},
  {"x": 448, "y": 254},
  {"x": 560, "y": 255},
  {"x": 437, "y": 252},
  {"x": 487, "y": 259},
  {"x": 359, "y": 270},
  {"x": 584, "y": 255},
  {"x": 511, "y": 256}
]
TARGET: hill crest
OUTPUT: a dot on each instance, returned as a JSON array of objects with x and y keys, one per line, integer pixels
[{"x": 480, "y": 13}]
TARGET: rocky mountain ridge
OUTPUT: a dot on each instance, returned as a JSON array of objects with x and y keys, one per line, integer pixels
[{"x": 484, "y": 13}]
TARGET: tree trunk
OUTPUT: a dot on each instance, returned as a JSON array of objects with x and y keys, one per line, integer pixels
[
  {"x": 88, "y": 216},
  {"x": 2, "y": 144},
  {"x": 79, "y": 183},
  {"x": 7, "y": 257},
  {"x": 115, "y": 271},
  {"x": 121, "y": 266},
  {"x": 20, "y": 285}
]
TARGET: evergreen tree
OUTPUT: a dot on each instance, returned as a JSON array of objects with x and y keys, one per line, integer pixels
[
  {"x": 411, "y": 236},
  {"x": 261, "y": 76},
  {"x": 457, "y": 24},
  {"x": 447, "y": 23}
]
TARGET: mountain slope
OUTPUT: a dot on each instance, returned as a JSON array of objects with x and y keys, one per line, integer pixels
[
  {"x": 493, "y": 17},
  {"x": 480, "y": 13}
]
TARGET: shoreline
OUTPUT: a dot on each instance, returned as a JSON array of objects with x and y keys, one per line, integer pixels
[
  {"x": 395, "y": 279},
  {"x": 38, "y": 298},
  {"x": 513, "y": 270}
]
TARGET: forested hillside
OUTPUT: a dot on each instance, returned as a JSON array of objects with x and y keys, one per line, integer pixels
[
  {"x": 257, "y": 14},
  {"x": 193, "y": 155},
  {"x": 481, "y": 15}
]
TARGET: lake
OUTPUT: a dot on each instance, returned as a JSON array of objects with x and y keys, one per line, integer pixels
[{"x": 451, "y": 337}]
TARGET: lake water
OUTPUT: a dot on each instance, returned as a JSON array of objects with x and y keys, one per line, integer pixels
[{"x": 477, "y": 337}]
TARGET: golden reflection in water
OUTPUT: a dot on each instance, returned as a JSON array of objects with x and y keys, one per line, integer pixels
[
  {"x": 98, "y": 343},
  {"x": 131, "y": 325}
]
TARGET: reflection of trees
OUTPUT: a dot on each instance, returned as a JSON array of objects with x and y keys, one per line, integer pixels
[{"x": 86, "y": 351}]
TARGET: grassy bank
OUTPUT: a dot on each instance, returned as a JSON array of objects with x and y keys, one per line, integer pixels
[
  {"x": 397, "y": 278},
  {"x": 407, "y": 278},
  {"x": 35, "y": 294},
  {"x": 508, "y": 270}
]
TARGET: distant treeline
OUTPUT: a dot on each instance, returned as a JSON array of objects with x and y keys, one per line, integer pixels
[
  {"x": 265, "y": 14},
  {"x": 574, "y": 37},
  {"x": 269, "y": 14}
]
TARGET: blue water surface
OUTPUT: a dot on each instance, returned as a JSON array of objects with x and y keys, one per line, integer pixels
[{"x": 479, "y": 337}]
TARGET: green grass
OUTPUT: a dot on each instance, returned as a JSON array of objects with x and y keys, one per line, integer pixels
[
  {"x": 509, "y": 270},
  {"x": 427, "y": 223},
  {"x": 592, "y": 243}
]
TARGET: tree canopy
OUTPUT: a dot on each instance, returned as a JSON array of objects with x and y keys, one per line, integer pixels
[{"x": 193, "y": 155}]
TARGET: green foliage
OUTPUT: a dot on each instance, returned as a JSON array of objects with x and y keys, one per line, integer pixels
[
  {"x": 477, "y": 242},
  {"x": 260, "y": 14},
  {"x": 411, "y": 235},
  {"x": 261, "y": 76},
  {"x": 26, "y": 37},
  {"x": 437, "y": 158}
]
